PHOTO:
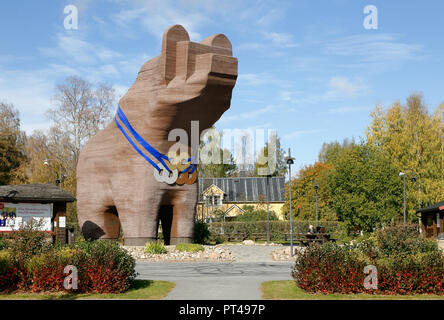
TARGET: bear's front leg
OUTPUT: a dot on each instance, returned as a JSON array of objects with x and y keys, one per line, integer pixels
[
  {"x": 184, "y": 211},
  {"x": 138, "y": 209}
]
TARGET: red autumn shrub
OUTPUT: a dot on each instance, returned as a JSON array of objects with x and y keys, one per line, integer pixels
[
  {"x": 33, "y": 263},
  {"x": 45, "y": 272},
  {"x": 105, "y": 279},
  {"x": 415, "y": 266},
  {"x": 110, "y": 268},
  {"x": 102, "y": 267},
  {"x": 329, "y": 268},
  {"x": 419, "y": 274}
]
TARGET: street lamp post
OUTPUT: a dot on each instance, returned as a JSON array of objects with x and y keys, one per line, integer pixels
[
  {"x": 290, "y": 161},
  {"x": 403, "y": 175},
  {"x": 413, "y": 179},
  {"x": 59, "y": 177},
  {"x": 316, "y": 187},
  {"x": 268, "y": 206}
]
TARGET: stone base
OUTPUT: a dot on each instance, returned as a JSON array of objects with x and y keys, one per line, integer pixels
[
  {"x": 174, "y": 241},
  {"x": 138, "y": 241}
]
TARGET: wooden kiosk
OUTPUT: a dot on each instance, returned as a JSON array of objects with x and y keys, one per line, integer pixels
[
  {"x": 432, "y": 220},
  {"x": 46, "y": 202}
]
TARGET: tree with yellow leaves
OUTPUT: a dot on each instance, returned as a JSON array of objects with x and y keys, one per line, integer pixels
[{"x": 412, "y": 139}]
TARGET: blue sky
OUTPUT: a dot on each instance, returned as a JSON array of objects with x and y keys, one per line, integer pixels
[{"x": 307, "y": 68}]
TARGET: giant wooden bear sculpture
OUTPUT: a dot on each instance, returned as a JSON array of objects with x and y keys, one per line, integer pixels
[{"x": 119, "y": 168}]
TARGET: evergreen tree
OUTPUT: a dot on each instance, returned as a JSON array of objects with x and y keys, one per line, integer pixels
[{"x": 12, "y": 142}]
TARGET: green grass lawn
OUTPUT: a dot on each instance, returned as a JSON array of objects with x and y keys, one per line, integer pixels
[
  {"x": 287, "y": 290},
  {"x": 141, "y": 289}
]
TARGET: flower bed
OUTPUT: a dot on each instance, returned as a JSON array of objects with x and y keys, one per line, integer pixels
[
  {"x": 406, "y": 264},
  {"x": 30, "y": 264}
]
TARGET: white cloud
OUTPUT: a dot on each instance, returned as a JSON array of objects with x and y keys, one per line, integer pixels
[
  {"x": 374, "y": 48},
  {"x": 343, "y": 110},
  {"x": 345, "y": 87},
  {"x": 75, "y": 50},
  {"x": 156, "y": 16},
  {"x": 272, "y": 43},
  {"x": 298, "y": 133},
  {"x": 254, "y": 79},
  {"x": 335, "y": 88},
  {"x": 272, "y": 16},
  {"x": 248, "y": 115},
  {"x": 283, "y": 40},
  {"x": 28, "y": 91}
]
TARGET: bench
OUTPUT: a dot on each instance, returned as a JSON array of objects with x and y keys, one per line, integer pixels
[
  {"x": 259, "y": 236},
  {"x": 236, "y": 237},
  {"x": 306, "y": 238}
]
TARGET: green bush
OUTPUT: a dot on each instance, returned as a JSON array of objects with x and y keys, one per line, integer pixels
[
  {"x": 5, "y": 260},
  {"x": 189, "y": 247},
  {"x": 201, "y": 233},
  {"x": 56, "y": 257},
  {"x": 251, "y": 214},
  {"x": 220, "y": 230},
  {"x": 4, "y": 240},
  {"x": 8, "y": 274},
  {"x": 155, "y": 248},
  {"x": 402, "y": 240},
  {"x": 27, "y": 242},
  {"x": 104, "y": 252}
]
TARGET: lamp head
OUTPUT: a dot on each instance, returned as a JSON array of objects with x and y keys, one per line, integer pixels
[
  {"x": 289, "y": 159},
  {"x": 402, "y": 174}
]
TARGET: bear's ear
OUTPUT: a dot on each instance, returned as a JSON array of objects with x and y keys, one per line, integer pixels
[
  {"x": 218, "y": 40},
  {"x": 171, "y": 36}
]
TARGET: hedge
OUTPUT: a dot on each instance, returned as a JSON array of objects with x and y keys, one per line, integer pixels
[
  {"x": 406, "y": 264},
  {"x": 221, "y": 230},
  {"x": 30, "y": 263}
]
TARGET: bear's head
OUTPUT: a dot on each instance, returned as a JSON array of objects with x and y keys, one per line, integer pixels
[{"x": 187, "y": 81}]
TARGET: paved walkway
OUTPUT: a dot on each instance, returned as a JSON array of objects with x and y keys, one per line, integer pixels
[
  {"x": 240, "y": 280},
  {"x": 215, "y": 281},
  {"x": 256, "y": 253}
]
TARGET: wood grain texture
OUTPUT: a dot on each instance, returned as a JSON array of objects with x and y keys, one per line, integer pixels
[{"x": 187, "y": 82}]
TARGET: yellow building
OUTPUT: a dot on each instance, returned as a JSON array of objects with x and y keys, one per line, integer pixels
[{"x": 224, "y": 198}]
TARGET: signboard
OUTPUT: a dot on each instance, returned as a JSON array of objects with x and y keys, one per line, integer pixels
[
  {"x": 62, "y": 222},
  {"x": 12, "y": 215}
]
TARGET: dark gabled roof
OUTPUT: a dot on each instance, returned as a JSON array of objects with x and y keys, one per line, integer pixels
[
  {"x": 246, "y": 189},
  {"x": 34, "y": 193},
  {"x": 432, "y": 208}
]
